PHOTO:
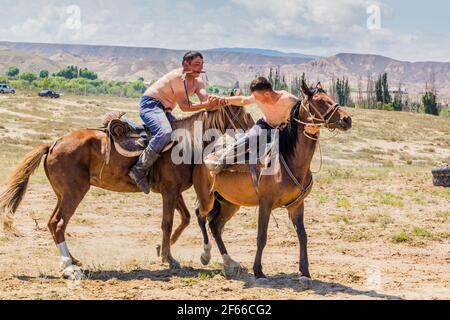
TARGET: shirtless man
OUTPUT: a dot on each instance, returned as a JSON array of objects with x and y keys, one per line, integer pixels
[
  {"x": 157, "y": 104},
  {"x": 276, "y": 107}
]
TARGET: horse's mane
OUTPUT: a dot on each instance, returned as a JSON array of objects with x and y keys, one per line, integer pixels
[
  {"x": 211, "y": 120},
  {"x": 289, "y": 135}
]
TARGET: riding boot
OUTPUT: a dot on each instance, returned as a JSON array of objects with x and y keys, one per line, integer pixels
[{"x": 140, "y": 170}]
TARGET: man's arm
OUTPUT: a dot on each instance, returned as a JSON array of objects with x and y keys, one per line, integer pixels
[
  {"x": 201, "y": 91},
  {"x": 240, "y": 101},
  {"x": 205, "y": 102}
]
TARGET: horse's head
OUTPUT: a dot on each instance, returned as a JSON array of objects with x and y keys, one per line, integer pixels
[{"x": 323, "y": 110}]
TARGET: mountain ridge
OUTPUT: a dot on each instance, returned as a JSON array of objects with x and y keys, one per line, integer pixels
[{"x": 223, "y": 67}]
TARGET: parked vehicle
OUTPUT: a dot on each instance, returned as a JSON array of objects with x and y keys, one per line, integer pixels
[
  {"x": 441, "y": 176},
  {"x": 4, "y": 88},
  {"x": 49, "y": 93}
]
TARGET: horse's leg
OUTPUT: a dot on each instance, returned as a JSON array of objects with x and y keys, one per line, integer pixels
[
  {"x": 263, "y": 223},
  {"x": 169, "y": 203},
  {"x": 58, "y": 224},
  {"x": 202, "y": 185},
  {"x": 205, "y": 257},
  {"x": 52, "y": 222},
  {"x": 232, "y": 268},
  {"x": 53, "y": 218},
  {"x": 185, "y": 219},
  {"x": 296, "y": 216},
  {"x": 202, "y": 182}
]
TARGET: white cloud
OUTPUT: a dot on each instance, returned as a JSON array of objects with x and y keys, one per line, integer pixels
[{"x": 308, "y": 26}]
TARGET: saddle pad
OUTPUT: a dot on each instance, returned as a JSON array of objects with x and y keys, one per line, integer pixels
[{"x": 129, "y": 138}]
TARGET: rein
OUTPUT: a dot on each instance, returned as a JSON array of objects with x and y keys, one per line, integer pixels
[
  {"x": 323, "y": 122},
  {"x": 235, "y": 118},
  {"x": 301, "y": 196}
]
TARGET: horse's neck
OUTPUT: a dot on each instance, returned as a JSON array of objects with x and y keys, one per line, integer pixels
[
  {"x": 210, "y": 120},
  {"x": 305, "y": 147},
  {"x": 188, "y": 122}
]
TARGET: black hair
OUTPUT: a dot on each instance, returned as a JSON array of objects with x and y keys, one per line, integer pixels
[
  {"x": 191, "y": 55},
  {"x": 260, "y": 84}
]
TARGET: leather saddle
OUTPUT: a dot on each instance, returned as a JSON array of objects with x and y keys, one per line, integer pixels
[{"x": 129, "y": 138}]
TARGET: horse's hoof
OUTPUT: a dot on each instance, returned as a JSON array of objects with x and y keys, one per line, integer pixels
[
  {"x": 233, "y": 271},
  {"x": 305, "y": 282},
  {"x": 72, "y": 273},
  {"x": 262, "y": 282},
  {"x": 259, "y": 275},
  {"x": 174, "y": 265},
  {"x": 76, "y": 262},
  {"x": 205, "y": 259}
]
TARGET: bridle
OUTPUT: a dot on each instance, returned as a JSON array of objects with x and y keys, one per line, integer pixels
[{"x": 322, "y": 122}]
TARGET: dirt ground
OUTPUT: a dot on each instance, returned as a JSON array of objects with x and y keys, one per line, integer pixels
[{"x": 377, "y": 227}]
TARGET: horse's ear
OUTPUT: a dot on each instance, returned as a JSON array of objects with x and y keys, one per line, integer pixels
[
  {"x": 305, "y": 89},
  {"x": 319, "y": 85}
]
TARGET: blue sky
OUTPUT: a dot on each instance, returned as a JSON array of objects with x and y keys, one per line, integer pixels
[{"x": 409, "y": 30}]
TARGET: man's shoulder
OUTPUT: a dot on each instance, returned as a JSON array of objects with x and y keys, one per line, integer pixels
[
  {"x": 288, "y": 97},
  {"x": 199, "y": 81},
  {"x": 175, "y": 74}
]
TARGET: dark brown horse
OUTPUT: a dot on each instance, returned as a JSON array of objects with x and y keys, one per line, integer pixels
[
  {"x": 76, "y": 162},
  {"x": 287, "y": 188}
]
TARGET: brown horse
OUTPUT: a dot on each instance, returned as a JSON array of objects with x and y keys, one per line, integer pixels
[
  {"x": 77, "y": 161},
  {"x": 287, "y": 188}
]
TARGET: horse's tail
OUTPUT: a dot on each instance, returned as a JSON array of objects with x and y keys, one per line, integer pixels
[{"x": 16, "y": 185}]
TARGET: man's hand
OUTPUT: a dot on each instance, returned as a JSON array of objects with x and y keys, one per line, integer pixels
[{"x": 215, "y": 103}]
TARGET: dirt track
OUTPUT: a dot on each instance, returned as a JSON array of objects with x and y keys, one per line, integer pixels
[{"x": 375, "y": 231}]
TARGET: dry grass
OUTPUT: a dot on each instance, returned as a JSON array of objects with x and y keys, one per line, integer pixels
[{"x": 373, "y": 203}]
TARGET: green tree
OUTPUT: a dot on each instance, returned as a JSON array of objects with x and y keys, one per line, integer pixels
[
  {"x": 12, "y": 72},
  {"x": 397, "y": 104},
  {"x": 429, "y": 103},
  {"x": 343, "y": 91},
  {"x": 43, "y": 73},
  {"x": 382, "y": 89},
  {"x": 28, "y": 76},
  {"x": 386, "y": 95},
  {"x": 139, "y": 86},
  {"x": 69, "y": 72},
  {"x": 45, "y": 83},
  {"x": 379, "y": 90},
  {"x": 88, "y": 74}
]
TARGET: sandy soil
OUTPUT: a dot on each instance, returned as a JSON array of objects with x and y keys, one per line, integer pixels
[
  {"x": 376, "y": 230},
  {"x": 115, "y": 239}
]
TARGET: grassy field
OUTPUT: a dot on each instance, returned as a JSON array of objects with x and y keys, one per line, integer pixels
[{"x": 373, "y": 210}]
